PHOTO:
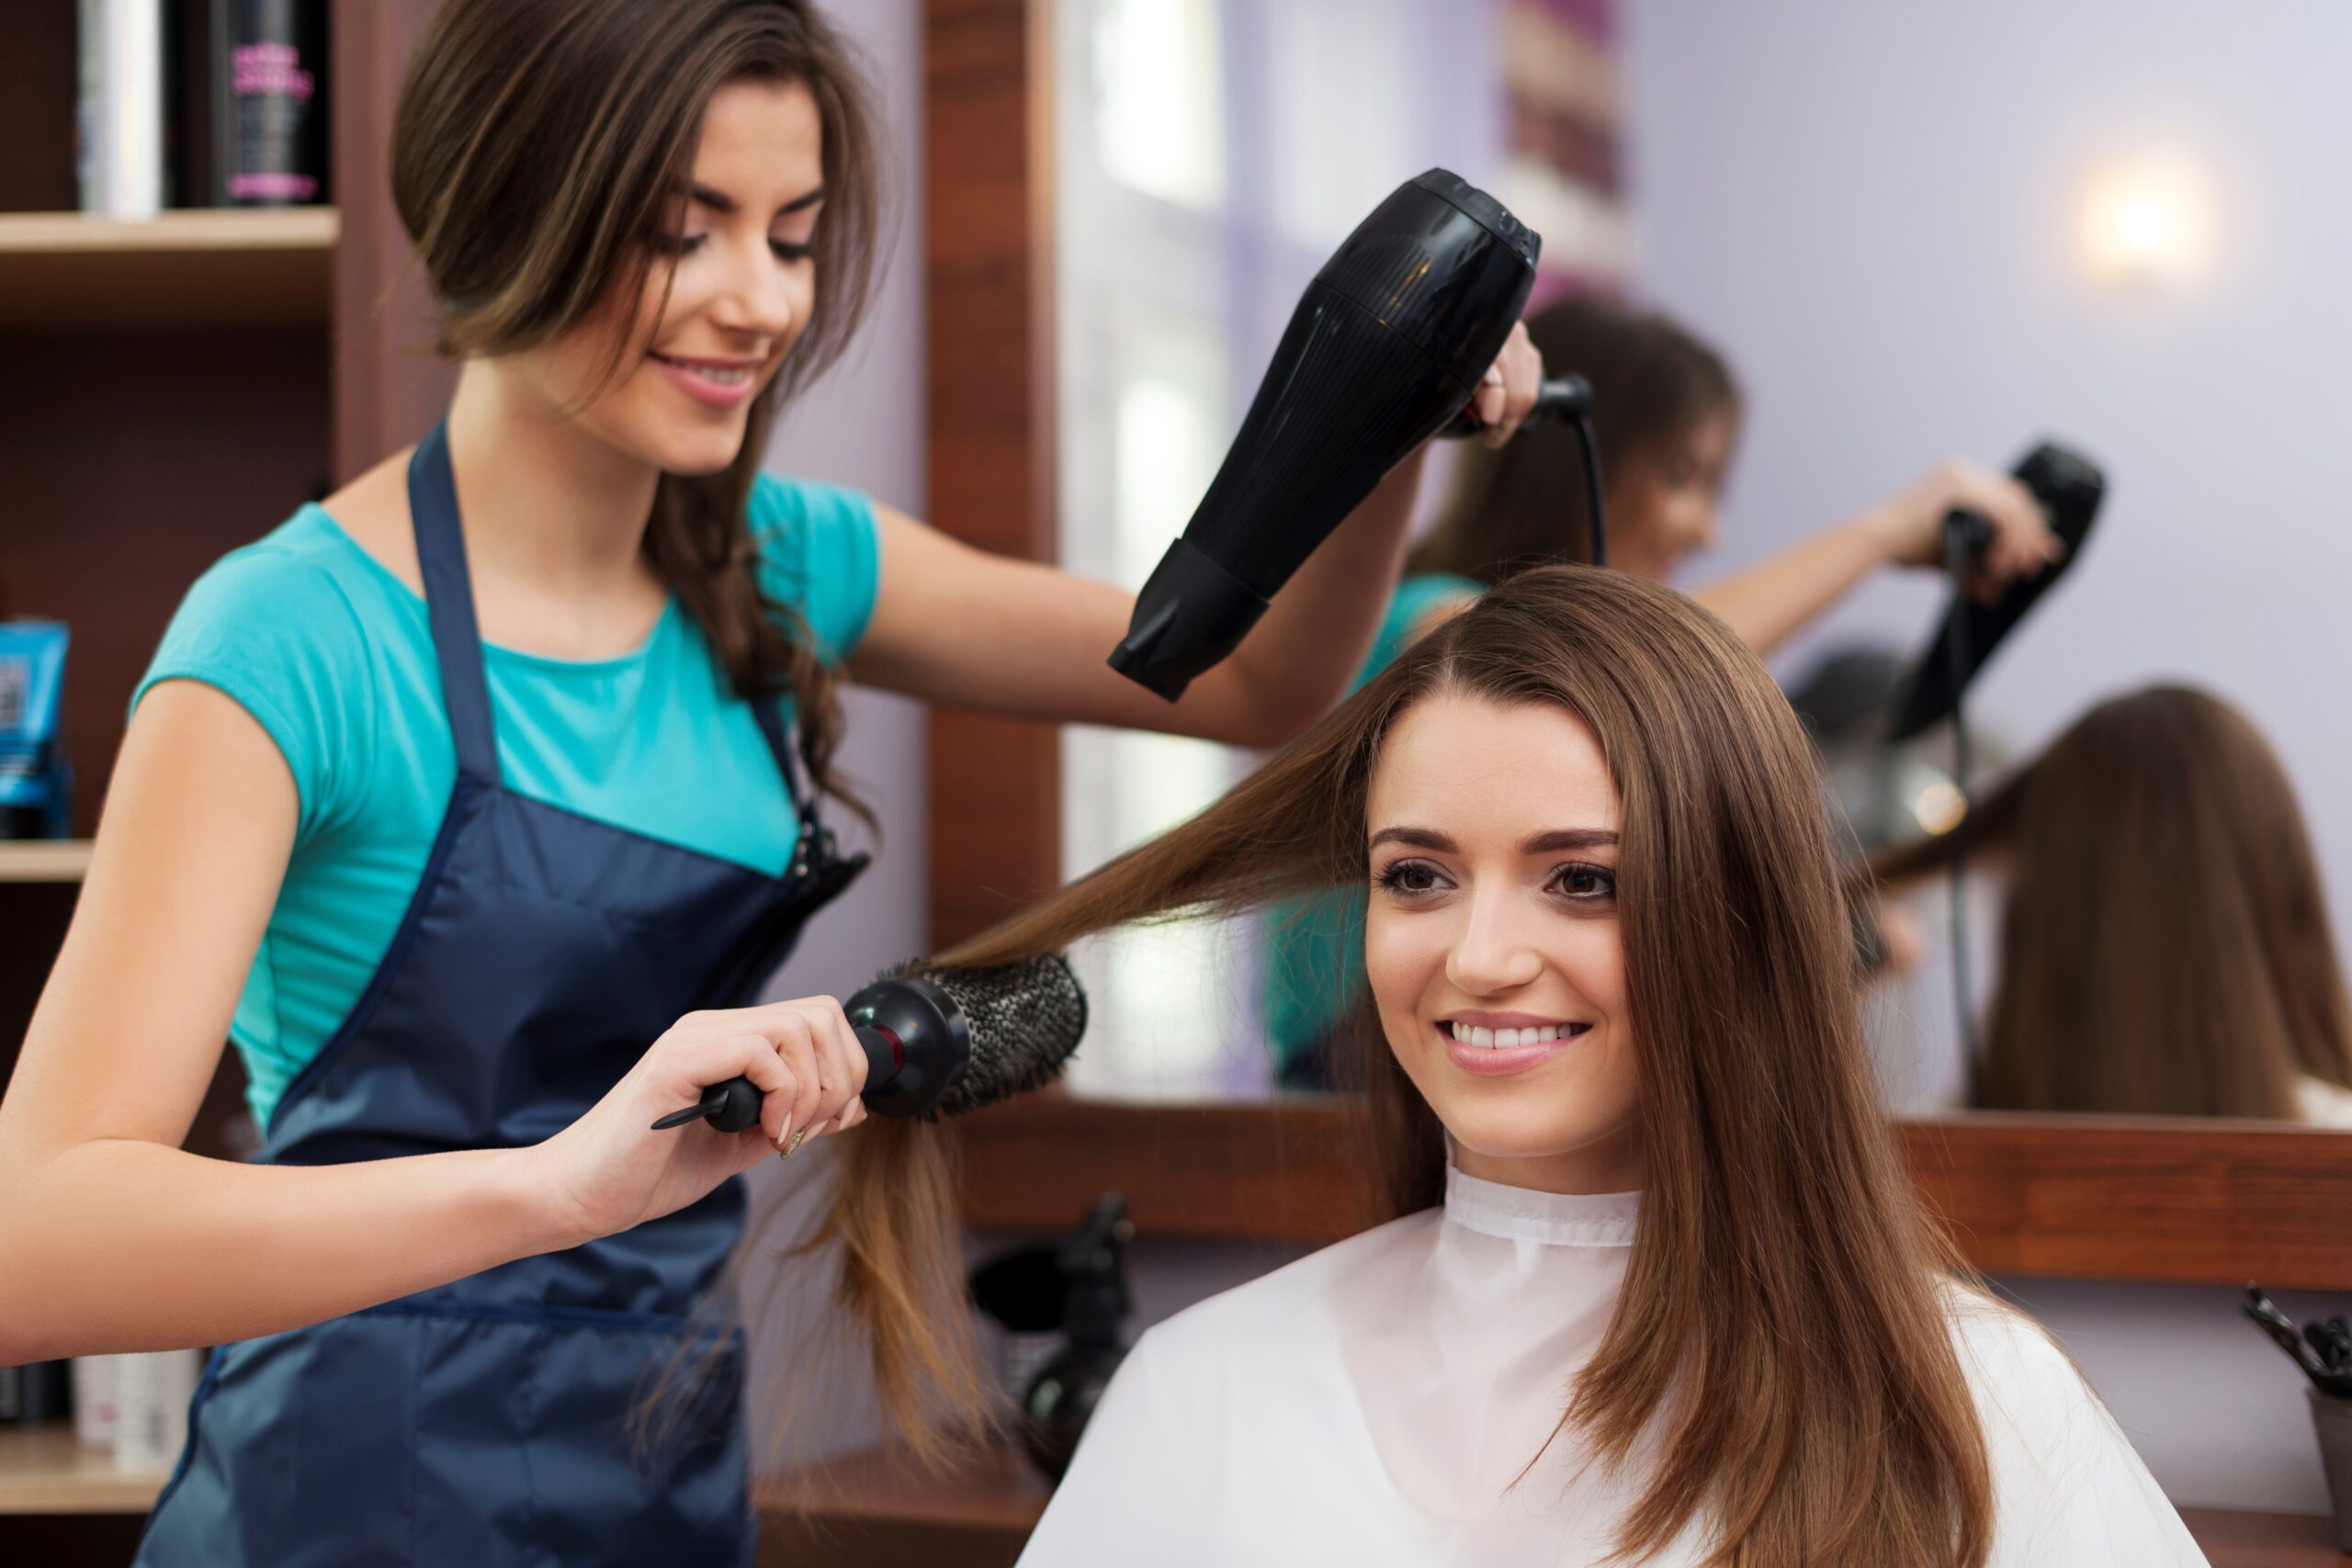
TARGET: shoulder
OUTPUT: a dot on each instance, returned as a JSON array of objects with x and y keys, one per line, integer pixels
[
  {"x": 819, "y": 555},
  {"x": 298, "y": 586},
  {"x": 2067, "y": 1486},
  {"x": 1256, "y": 1330}
]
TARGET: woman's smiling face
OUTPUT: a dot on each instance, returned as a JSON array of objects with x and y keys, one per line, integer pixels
[
  {"x": 739, "y": 278},
  {"x": 1492, "y": 941}
]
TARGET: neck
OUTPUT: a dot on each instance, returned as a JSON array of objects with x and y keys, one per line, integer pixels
[
  {"x": 544, "y": 498},
  {"x": 1611, "y": 1164}
]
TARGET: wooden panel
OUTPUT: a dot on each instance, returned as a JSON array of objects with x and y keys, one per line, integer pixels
[
  {"x": 995, "y": 784},
  {"x": 1276, "y": 1171},
  {"x": 388, "y": 385},
  {"x": 37, "y": 92},
  {"x": 132, "y": 460},
  {"x": 2190, "y": 1202},
  {"x": 2176, "y": 1202}
]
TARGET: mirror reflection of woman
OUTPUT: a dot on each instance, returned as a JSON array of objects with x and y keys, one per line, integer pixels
[
  {"x": 2165, "y": 947},
  {"x": 1654, "y": 1277}
]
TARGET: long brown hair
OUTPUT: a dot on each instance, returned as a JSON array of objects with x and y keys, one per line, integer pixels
[
  {"x": 536, "y": 148},
  {"x": 1785, "y": 1324},
  {"x": 1653, "y": 381},
  {"x": 2166, "y": 949}
]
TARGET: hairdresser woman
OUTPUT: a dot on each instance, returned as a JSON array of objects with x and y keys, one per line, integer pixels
[{"x": 455, "y": 792}]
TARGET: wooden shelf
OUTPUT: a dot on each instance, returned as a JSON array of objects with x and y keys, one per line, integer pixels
[
  {"x": 44, "y": 859},
  {"x": 875, "y": 1510},
  {"x": 218, "y": 266},
  {"x": 44, "y": 1471}
]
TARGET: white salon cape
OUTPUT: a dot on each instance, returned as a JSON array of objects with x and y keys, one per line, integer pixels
[{"x": 1371, "y": 1405}]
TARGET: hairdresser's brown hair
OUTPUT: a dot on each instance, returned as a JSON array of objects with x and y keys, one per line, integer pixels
[
  {"x": 1784, "y": 1329},
  {"x": 2166, "y": 949},
  {"x": 1654, "y": 381},
  {"x": 536, "y": 149}
]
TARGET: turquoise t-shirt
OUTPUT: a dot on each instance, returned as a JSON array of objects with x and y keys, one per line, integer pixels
[
  {"x": 1314, "y": 947},
  {"x": 333, "y": 656}
]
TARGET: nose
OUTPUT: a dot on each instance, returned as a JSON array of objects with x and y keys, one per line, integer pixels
[
  {"x": 759, "y": 295},
  {"x": 1494, "y": 950}
]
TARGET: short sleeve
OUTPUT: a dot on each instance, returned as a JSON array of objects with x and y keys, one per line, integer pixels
[
  {"x": 276, "y": 634},
  {"x": 820, "y": 554}
]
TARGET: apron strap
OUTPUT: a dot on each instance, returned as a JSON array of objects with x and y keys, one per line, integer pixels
[{"x": 450, "y": 600}]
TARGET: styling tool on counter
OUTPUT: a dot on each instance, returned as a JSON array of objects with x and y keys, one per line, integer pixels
[
  {"x": 2331, "y": 1378},
  {"x": 940, "y": 1043},
  {"x": 1077, "y": 1292}
]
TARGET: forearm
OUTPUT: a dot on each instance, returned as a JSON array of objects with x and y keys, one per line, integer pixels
[
  {"x": 1769, "y": 601},
  {"x": 118, "y": 1243},
  {"x": 1312, "y": 639}
]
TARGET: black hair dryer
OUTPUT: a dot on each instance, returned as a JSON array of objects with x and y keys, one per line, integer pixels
[
  {"x": 1388, "y": 344},
  {"x": 1062, "y": 1396}
]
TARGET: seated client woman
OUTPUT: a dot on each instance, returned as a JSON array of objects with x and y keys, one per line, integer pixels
[{"x": 1653, "y": 1281}]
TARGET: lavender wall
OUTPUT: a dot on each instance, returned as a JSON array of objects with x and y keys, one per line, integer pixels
[{"x": 1870, "y": 208}]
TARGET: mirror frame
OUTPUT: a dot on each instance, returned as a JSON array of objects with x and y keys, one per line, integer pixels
[{"x": 2106, "y": 1198}]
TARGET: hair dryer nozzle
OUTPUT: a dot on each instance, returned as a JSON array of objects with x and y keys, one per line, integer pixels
[{"x": 1191, "y": 613}]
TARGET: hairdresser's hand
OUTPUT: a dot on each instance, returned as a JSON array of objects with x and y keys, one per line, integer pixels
[
  {"x": 609, "y": 1170},
  {"x": 1509, "y": 388},
  {"x": 1910, "y": 525}
]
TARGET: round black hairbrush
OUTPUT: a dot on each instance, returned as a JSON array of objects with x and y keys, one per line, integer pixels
[{"x": 941, "y": 1041}]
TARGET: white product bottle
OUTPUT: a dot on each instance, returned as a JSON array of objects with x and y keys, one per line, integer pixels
[
  {"x": 94, "y": 1380},
  {"x": 151, "y": 1398}
]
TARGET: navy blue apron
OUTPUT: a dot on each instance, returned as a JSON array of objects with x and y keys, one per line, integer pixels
[{"x": 487, "y": 1422}]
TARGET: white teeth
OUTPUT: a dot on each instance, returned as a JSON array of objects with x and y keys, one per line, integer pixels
[{"x": 1510, "y": 1039}]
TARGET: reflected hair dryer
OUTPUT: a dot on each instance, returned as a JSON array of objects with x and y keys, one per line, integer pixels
[{"x": 1387, "y": 346}]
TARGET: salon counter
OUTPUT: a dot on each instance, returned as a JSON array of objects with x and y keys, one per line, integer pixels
[{"x": 868, "y": 1510}]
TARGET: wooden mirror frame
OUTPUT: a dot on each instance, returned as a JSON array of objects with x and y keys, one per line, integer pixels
[{"x": 2202, "y": 1202}]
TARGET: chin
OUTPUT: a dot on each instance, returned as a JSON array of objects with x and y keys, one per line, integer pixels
[
  {"x": 694, "y": 451},
  {"x": 1526, "y": 1129}
]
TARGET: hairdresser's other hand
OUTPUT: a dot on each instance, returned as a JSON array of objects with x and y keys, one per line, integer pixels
[
  {"x": 1910, "y": 525},
  {"x": 609, "y": 1170},
  {"x": 1508, "y": 388}
]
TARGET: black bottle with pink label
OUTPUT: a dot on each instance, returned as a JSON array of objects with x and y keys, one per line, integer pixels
[{"x": 269, "y": 103}]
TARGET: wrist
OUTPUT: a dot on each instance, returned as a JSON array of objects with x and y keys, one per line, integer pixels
[
  {"x": 1882, "y": 533},
  {"x": 531, "y": 1205}
]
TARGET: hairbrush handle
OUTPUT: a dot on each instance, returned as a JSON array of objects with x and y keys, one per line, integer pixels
[
  {"x": 916, "y": 1047},
  {"x": 734, "y": 1106}
]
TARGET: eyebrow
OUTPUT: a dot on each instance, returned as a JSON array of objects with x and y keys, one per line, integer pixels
[
  {"x": 1548, "y": 842},
  {"x": 719, "y": 201}
]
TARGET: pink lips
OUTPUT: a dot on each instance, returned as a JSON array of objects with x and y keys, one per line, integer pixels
[{"x": 703, "y": 389}]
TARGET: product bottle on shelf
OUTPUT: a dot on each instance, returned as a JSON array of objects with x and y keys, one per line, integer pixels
[{"x": 269, "y": 102}]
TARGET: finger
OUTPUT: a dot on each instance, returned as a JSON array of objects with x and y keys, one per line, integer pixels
[
  {"x": 842, "y": 1065},
  {"x": 795, "y": 1043}
]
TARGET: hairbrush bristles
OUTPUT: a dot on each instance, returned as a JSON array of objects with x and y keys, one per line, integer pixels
[{"x": 1025, "y": 1021}]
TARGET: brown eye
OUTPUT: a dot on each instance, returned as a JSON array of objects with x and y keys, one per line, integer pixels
[
  {"x": 1585, "y": 883},
  {"x": 1409, "y": 877}
]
